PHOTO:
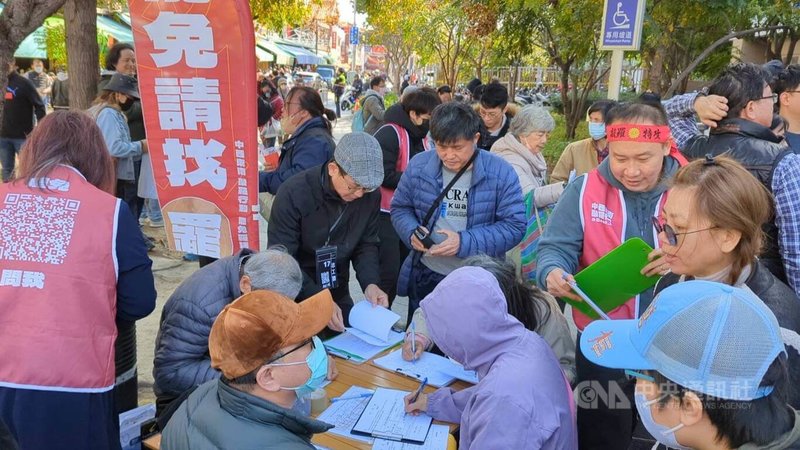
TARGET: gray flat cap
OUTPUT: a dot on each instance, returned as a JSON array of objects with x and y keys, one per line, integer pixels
[{"x": 361, "y": 157}]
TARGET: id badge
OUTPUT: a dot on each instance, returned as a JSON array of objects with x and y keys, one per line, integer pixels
[{"x": 326, "y": 267}]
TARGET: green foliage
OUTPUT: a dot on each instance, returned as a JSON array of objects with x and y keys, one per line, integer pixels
[
  {"x": 276, "y": 14},
  {"x": 55, "y": 41},
  {"x": 558, "y": 139}
]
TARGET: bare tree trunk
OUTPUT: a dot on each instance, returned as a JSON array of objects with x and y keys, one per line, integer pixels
[
  {"x": 656, "y": 69},
  {"x": 19, "y": 19},
  {"x": 80, "y": 18}
]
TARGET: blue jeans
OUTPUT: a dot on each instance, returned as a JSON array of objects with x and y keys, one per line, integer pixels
[
  {"x": 9, "y": 149},
  {"x": 152, "y": 210}
]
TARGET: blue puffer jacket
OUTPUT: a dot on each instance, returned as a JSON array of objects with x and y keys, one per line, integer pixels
[
  {"x": 495, "y": 207},
  {"x": 181, "y": 359},
  {"x": 310, "y": 145}
]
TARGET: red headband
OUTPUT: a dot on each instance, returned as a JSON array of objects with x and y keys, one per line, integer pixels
[{"x": 637, "y": 133}]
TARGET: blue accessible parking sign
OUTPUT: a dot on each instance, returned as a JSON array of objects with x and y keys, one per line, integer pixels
[{"x": 622, "y": 24}]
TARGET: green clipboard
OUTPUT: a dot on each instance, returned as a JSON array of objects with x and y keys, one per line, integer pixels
[{"x": 615, "y": 278}]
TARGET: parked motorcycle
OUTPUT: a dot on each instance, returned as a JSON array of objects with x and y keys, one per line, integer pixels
[{"x": 349, "y": 98}]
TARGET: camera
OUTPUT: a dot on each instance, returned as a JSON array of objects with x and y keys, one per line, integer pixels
[{"x": 424, "y": 237}]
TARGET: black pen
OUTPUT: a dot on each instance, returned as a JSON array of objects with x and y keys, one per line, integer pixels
[{"x": 419, "y": 390}]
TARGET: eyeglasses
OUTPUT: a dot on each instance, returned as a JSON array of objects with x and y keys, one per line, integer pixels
[
  {"x": 489, "y": 114},
  {"x": 352, "y": 187},
  {"x": 774, "y": 98},
  {"x": 306, "y": 342},
  {"x": 669, "y": 232}
]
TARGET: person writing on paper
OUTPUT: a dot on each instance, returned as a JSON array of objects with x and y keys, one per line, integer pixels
[
  {"x": 595, "y": 214},
  {"x": 536, "y": 309},
  {"x": 327, "y": 217},
  {"x": 733, "y": 399},
  {"x": 522, "y": 399},
  {"x": 265, "y": 346},
  {"x": 711, "y": 230}
]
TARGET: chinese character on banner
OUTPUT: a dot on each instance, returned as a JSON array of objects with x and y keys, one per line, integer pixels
[
  {"x": 200, "y": 114},
  {"x": 209, "y": 169}
]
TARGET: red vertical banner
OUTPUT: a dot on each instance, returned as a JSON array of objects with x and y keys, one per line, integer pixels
[{"x": 197, "y": 82}]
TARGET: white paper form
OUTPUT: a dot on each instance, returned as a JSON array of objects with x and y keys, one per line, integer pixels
[
  {"x": 385, "y": 417},
  {"x": 348, "y": 346},
  {"x": 436, "y": 440},
  {"x": 373, "y": 324},
  {"x": 428, "y": 365},
  {"x": 456, "y": 370},
  {"x": 344, "y": 414}
]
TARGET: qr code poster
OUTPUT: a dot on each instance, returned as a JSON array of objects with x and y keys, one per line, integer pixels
[{"x": 36, "y": 228}]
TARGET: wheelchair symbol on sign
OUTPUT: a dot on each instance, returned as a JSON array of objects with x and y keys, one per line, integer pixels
[{"x": 620, "y": 19}]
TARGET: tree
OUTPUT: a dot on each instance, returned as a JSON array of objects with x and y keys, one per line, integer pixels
[
  {"x": 447, "y": 36},
  {"x": 80, "y": 18},
  {"x": 395, "y": 25},
  {"x": 555, "y": 25},
  {"x": 675, "y": 33},
  {"x": 19, "y": 19},
  {"x": 772, "y": 13},
  {"x": 277, "y": 14}
]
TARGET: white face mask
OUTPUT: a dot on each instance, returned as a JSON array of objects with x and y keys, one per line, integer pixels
[
  {"x": 61, "y": 76},
  {"x": 661, "y": 433},
  {"x": 38, "y": 69}
]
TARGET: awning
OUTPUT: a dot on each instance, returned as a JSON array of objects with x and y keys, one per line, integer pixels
[
  {"x": 281, "y": 56},
  {"x": 32, "y": 46},
  {"x": 263, "y": 55},
  {"x": 302, "y": 55},
  {"x": 118, "y": 31}
]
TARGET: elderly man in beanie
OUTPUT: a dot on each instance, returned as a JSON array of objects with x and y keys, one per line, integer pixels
[
  {"x": 327, "y": 216},
  {"x": 265, "y": 346}
]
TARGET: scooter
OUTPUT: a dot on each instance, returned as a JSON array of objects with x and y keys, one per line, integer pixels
[{"x": 349, "y": 98}]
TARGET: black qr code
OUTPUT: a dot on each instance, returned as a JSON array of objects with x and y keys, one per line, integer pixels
[{"x": 36, "y": 228}]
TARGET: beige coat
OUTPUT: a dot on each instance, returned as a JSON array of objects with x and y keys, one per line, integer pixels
[
  {"x": 580, "y": 156},
  {"x": 530, "y": 168}
]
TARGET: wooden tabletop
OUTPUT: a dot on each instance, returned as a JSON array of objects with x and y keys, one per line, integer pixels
[
  {"x": 365, "y": 375},
  {"x": 369, "y": 376}
]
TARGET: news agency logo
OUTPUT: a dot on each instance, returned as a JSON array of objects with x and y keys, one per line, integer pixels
[{"x": 596, "y": 394}]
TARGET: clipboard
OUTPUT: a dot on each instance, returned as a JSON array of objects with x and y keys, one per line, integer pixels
[
  {"x": 384, "y": 418},
  {"x": 615, "y": 278}
]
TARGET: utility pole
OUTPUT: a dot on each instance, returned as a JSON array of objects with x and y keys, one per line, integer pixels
[{"x": 355, "y": 46}]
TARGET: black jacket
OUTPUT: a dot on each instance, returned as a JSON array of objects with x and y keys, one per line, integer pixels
[
  {"x": 21, "y": 103},
  {"x": 783, "y": 302},
  {"x": 487, "y": 140},
  {"x": 305, "y": 208},
  {"x": 390, "y": 144},
  {"x": 759, "y": 151}
]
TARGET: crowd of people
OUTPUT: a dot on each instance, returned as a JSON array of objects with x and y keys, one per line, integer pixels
[{"x": 429, "y": 199}]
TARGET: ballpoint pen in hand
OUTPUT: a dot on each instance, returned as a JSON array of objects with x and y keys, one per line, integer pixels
[
  {"x": 413, "y": 343},
  {"x": 419, "y": 390}
]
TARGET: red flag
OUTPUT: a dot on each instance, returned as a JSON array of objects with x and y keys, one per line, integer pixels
[{"x": 197, "y": 81}]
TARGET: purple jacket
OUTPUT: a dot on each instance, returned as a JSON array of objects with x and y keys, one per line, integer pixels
[{"x": 522, "y": 400}]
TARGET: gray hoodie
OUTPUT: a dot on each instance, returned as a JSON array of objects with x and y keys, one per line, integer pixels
[{"x": 562, "y": 242}]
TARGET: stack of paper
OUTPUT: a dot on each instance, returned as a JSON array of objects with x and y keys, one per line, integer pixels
[
  {"x": 344, "y": 414},
  {"x": 428, "y": 366},
  {"x": 385, "y": 418},
  {"x": 436, "y": 440},
  {"x": 370, "y": 333}
]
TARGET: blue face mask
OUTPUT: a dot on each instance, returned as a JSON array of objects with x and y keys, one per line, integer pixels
[
  {"x": 661, "y": 433},
  {"x": 317, "y": 361},
  {"x": 597, "y": 130}
]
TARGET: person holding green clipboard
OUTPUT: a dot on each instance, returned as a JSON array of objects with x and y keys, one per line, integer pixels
[{"x": 597, "y": 213}]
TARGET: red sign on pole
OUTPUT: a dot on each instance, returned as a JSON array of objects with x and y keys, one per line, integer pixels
[{"x": 196, "y": 71}]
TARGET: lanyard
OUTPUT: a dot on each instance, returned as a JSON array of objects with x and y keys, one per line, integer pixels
[{"x": 336, "y": 223}]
